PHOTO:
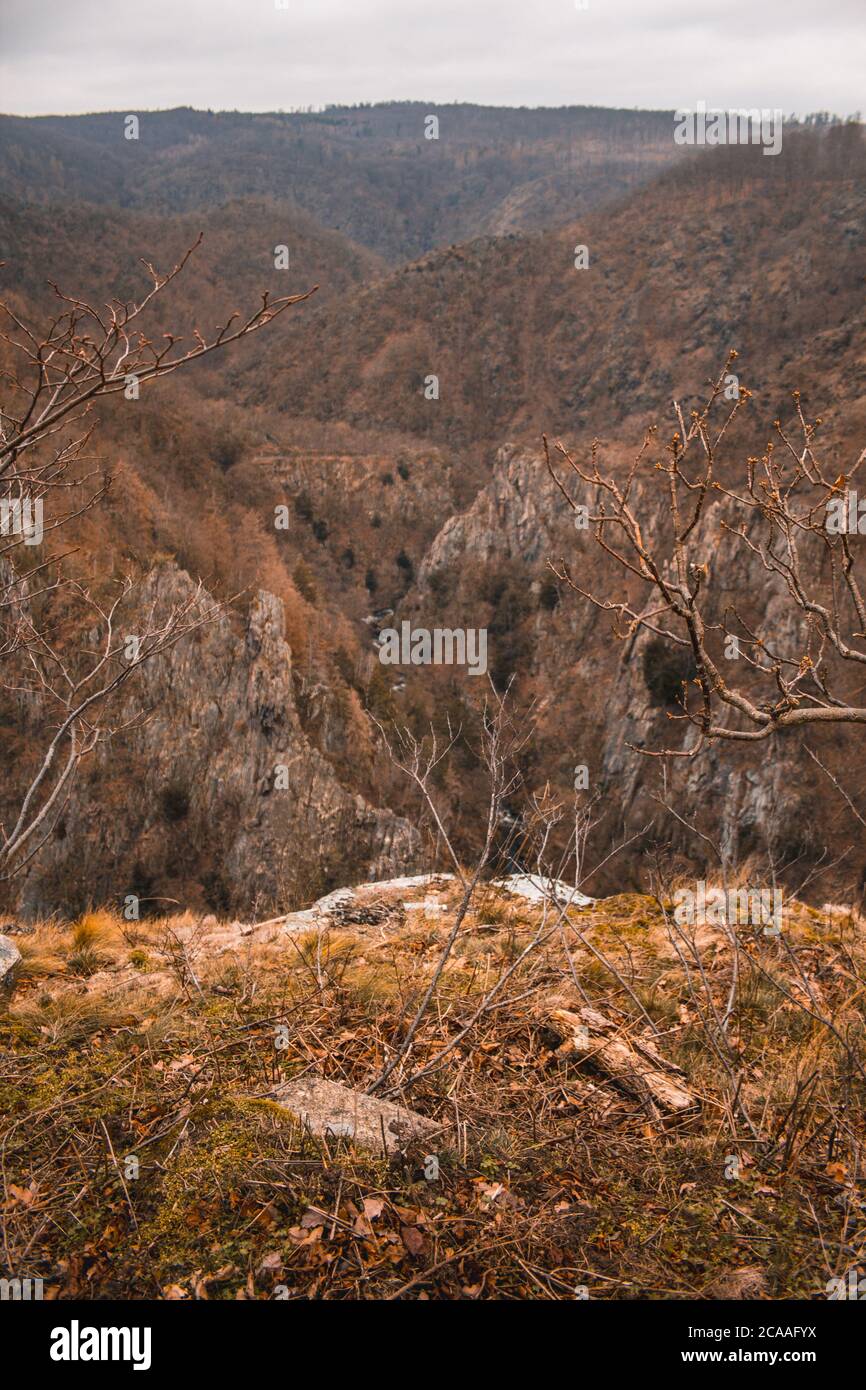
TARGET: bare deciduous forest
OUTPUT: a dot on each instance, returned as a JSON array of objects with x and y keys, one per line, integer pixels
[{"x": 432, "y": 612}]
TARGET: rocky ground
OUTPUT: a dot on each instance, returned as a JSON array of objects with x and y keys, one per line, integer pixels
[{"x": 597, "y": 1102}]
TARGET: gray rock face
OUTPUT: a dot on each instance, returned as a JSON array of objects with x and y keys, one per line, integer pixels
[
  {"x": 596, "y": 708},
  {"x": 10, "y": 958},
  {"x": 218, "y": 796}
]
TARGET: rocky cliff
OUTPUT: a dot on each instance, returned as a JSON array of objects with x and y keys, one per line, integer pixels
[
  {"x": 595, "y": 706},
  {"x": 215, "y": 794}
]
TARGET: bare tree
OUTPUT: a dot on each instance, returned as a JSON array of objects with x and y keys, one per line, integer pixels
[
  {"x": 504, "y": 736},
  {"x": 658, "y": 526},
  {"x": 60, "y": 643},
  {"x": 501, "y": 741},
  {"x": 76, "y": 689}
]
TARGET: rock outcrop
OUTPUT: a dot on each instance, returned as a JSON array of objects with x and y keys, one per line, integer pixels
[
  {"x": 216, "y": 796},
  {"x": 329, "y": 1110},
  {"x": 594, "y": 707},
  {"x": 10, "y": 959}
]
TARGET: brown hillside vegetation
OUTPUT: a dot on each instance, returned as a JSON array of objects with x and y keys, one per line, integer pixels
[
  {"x": 366, "y": 171},
  {"x": 732, "y": 251},
  {"x": 396, "y": 502}
]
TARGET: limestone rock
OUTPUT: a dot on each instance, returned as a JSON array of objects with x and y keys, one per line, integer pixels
[
  {"x": 10, "y": 958},
  {"x": 537, "y": 889},
  {"x": 329, "y": 1109}
]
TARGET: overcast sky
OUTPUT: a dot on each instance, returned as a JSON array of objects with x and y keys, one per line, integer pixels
[{"x": 93, "y": 55}]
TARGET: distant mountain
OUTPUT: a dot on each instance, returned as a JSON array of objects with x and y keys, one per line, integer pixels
[
  {"x": 732, "y": 250},
  {"x": 368, "y": 172}
]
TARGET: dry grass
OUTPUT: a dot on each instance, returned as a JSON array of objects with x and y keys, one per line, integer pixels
[{"x": 549, "y": 1178}]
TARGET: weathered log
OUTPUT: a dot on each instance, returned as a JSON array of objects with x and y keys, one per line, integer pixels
[{"x": 635, "y": 1065}]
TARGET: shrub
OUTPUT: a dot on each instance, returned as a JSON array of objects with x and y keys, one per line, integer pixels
[
  {"x": 377, "y": 696},
  {"x": 509, "y": 649},
  {"x": 304, "y": 582},
  {"x": 345, "y": 665},
  {"x": 440, "y": 585},
  {"x": 665, "y": 669},
  {"x": 227, "y": 449},
  {"x": 174, "y": 802},
  {"x": 304, "y": 507},
  {"x": 548, "y": 596},
  {"x": 217, "y": 891}
]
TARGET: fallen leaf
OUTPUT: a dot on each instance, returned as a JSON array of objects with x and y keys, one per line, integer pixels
[{"x": 413, "y": 1240}]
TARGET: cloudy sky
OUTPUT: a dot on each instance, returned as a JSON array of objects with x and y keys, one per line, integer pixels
[{"x": 256, "y": 55}]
